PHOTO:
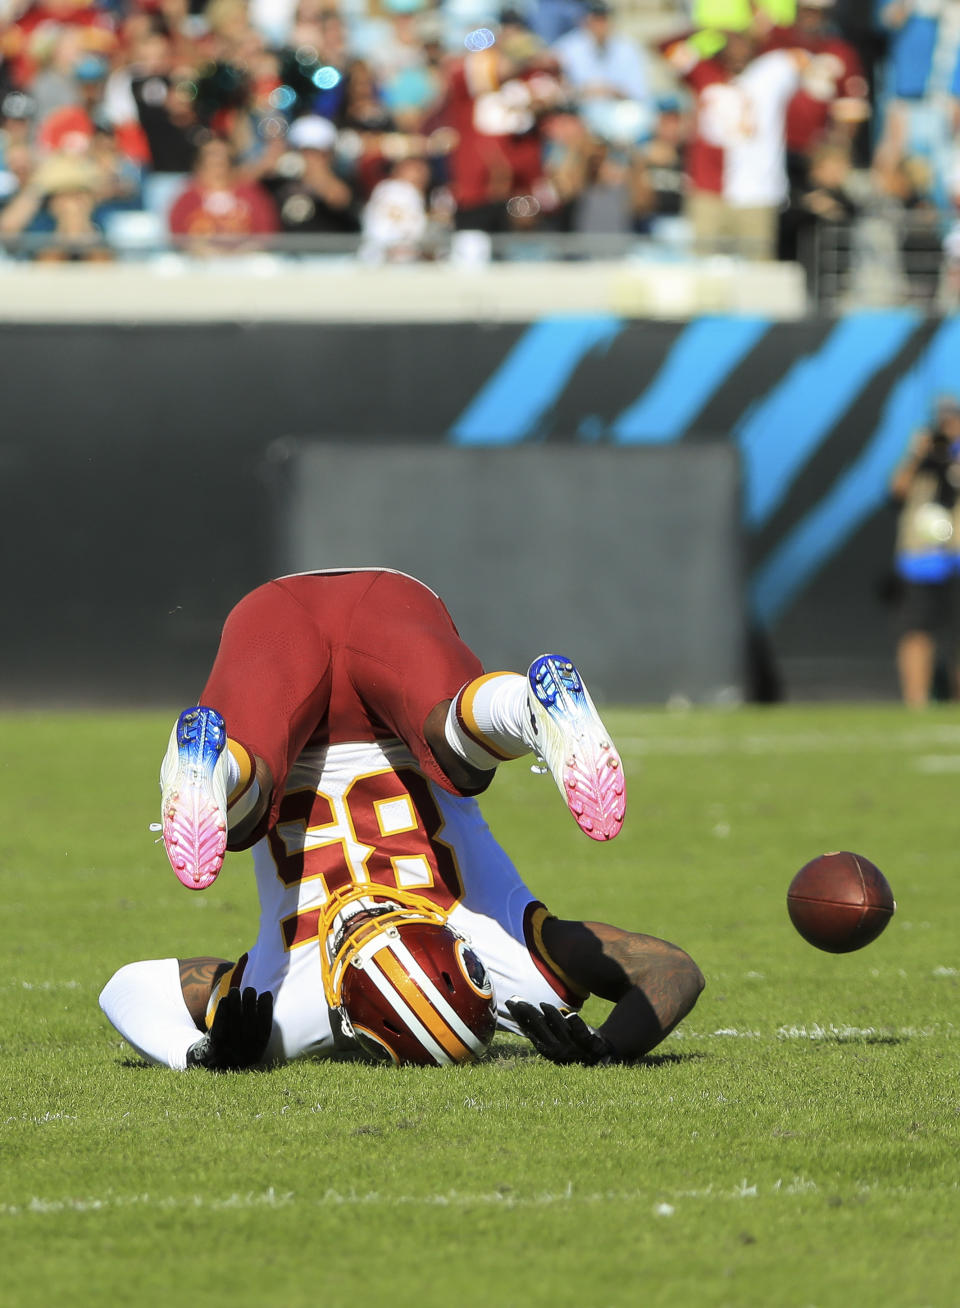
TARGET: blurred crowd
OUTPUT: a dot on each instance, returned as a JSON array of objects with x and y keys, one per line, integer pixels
[{"x": 411, "y": 129}]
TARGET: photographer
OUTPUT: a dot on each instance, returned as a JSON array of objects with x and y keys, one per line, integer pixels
[{"x": 926, "y": 486}]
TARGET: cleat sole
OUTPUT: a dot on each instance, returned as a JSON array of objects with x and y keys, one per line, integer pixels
[
  {"x": 588, "y": 771},
  {"x": 193, "y": 824}
]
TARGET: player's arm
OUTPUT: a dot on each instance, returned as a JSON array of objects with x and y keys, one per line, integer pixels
[
  {"x": 651, "y": 983},
  {"x": 242, "y": 1021},
  {"x": 198, "y": 976}
]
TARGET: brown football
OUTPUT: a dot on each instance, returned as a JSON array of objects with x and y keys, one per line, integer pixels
[{"x": 840, "y": 902}]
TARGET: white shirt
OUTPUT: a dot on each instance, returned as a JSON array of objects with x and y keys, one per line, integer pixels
[
  {"x": 394, "y": 220},
  {"x": 747, "y": 118}
]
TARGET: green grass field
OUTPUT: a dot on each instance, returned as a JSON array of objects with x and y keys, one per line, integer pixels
[{"x": 795, "y": 1142}]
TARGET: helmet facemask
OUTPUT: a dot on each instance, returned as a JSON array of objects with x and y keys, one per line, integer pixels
[{"x": 408, "y": 986}]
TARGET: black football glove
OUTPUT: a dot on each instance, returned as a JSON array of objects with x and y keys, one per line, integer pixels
[
  {"x": 561, "y": 1037},
  {"x": 239, "y": 1033}
]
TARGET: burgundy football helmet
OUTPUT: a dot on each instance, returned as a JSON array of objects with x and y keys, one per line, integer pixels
[{"x": 408, "y": 987}]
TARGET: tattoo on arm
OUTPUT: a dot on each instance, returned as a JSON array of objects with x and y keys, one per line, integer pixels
[
  {"x": 652, "y": 983},
  {"x": 198, "y": 976}
]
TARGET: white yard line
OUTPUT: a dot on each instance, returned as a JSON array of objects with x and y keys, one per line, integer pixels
[
  {"x": 814, "y": 1031},
  {"x": 840, "y": 1031},
  {"x": 663, "y": 1203}
]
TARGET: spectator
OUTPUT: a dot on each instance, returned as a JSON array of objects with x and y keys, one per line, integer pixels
[
  {"x": 58, "y": 202},
  {"x": 152, "y": 90},
  {"x": 617, "y": 196},
  {"x": 69, "y": 128},
  {"x": 26, "y": 36},
  {"x": 398, "y": 60},
  {"x": 737, "y": 157},
  {"x": 120, "y": 177},
  {"x": 497, "y": 102},
  {"x": 71, "y": 188},
  {"x": 255, "y": 125},
  {"x": 551, "y": 19},
  {"x": 139, "y": 87},
  {"x": 311, "y": 64},
  {"x": 369, "y": 131},
  {"x": 90, "y": 74},
  {"x": 18, "y": 113},
  {"x": 832, "y": 98},
  {"x": 233, "y": 66},
  {"x": 903, "y": 197},
  {"x": 818, "y": 224},
  {"x": 922, "y": 86},
  {"x": 16, "y": 150},
  {"x": 81, "y": 109},
  {"x": 567, "y": 151},
  {"x": 17, "y": 167},
  {"x": 703, "y": 205},
  {"x": 328, "y": 80},
  {"x": 664, "y": 156},
  {"x": 220, "y": 212},
  {"x": 395, "y": 218},
  {"x": 363, "y": 107},
  {"x": 858, "y": 22},
  {"x": 599, "y": 63},
  {"x": 309, "y": 193},
  {"x": 56, "y": 52}
]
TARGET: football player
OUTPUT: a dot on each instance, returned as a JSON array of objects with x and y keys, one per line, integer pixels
[{"x": 343, "y": 734}]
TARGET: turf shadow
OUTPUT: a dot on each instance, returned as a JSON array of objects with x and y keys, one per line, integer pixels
[{"x": 661, "y": 1060}]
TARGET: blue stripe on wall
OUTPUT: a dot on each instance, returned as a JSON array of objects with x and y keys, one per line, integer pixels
[
  {"x": 862, "y": 489},
  {"x": 700, "y": 360},
  {"x": 781, "y": 432},
  {"x": 531, "y": 378}
]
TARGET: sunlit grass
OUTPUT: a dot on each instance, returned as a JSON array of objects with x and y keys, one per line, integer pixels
[{"x": 794, "y": 1142}]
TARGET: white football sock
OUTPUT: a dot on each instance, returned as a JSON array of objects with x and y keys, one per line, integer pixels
[
  {"x": 235, "y": 773},
  {"x": 243, "y": 789},
  {"x": 145, "y": 1003},
  {"x": 485, "y": 722},
  {"x": 235, "y": 768}
]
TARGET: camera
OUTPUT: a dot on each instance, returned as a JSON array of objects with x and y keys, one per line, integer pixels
[{"x": 943, "y": 461}]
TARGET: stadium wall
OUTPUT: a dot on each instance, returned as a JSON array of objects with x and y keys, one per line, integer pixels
[
  {"x": 592, "y": 564},
  {"x": 141, "y": 496}
]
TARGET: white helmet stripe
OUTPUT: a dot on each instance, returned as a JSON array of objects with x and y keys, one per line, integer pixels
[
  {"x": 439, "y": 1001},
  {"x": 406, "y": 1013}
]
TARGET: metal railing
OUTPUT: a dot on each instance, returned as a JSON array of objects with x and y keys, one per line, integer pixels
[
  {"x": 881, "y": 261},
  {"x": 441, "y": 245},
  {"x": 874, "y": 261}
]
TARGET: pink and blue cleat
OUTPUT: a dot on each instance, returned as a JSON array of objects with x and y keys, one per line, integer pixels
[
  {"x": 564, "y": 730},
  {"x": 193, "y": 804}
]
